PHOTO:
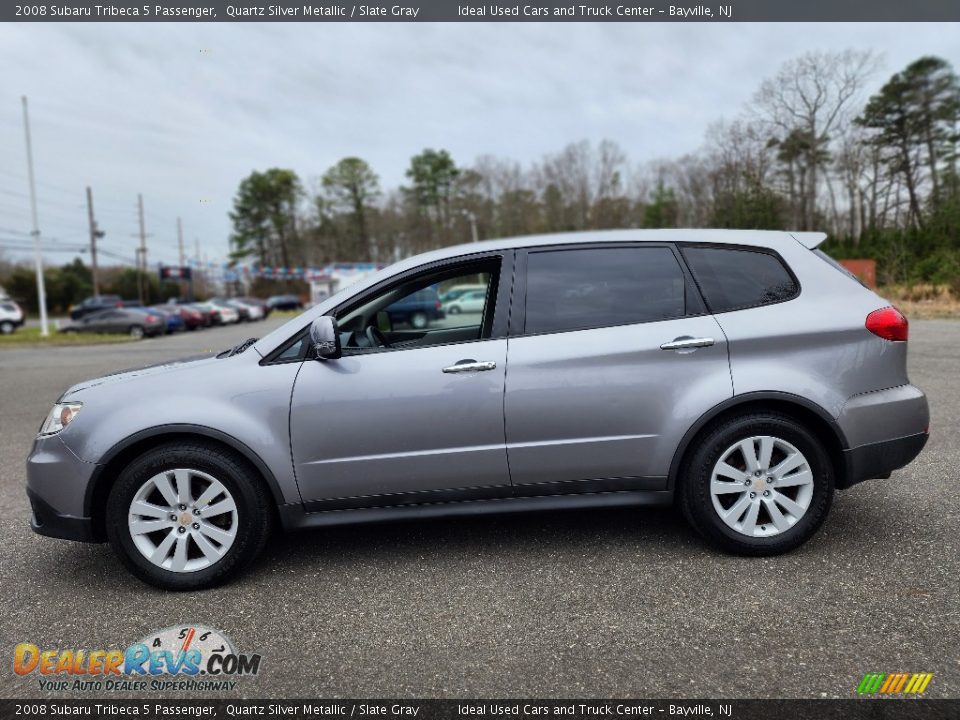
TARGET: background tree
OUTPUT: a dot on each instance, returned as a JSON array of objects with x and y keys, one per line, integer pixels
[
  {"x": 265, "y": 217},
  {"x": 433, "y": 176},
  {"x": 350, "y": 188}
]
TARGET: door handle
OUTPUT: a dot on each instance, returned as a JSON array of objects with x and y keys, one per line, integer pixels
[
  {"x": 687, "y": 343},
  {"x": 465, "y": 366}
]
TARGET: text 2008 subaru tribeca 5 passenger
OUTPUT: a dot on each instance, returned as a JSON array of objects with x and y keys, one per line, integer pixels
[{"x": 744, "y": 374}]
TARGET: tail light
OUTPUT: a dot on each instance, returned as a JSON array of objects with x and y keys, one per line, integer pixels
[
  {"x": 888, "y": 323},
  {"x": 439, "y": 304}
]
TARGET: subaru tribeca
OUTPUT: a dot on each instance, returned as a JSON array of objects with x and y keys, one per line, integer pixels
[{"x": 744, "y": 375}]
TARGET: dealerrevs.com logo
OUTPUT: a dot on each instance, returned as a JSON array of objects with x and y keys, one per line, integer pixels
[
  {"x": 894, "y": 683},
  {"x": 190, "y": 657}
]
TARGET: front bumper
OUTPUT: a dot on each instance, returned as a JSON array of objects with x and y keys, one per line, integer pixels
[
  {"x": 57, "y": 482},
  {"x": 47, "y": 521}
]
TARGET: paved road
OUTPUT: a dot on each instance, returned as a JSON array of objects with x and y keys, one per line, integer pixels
[{"x": 604, "y": 603}]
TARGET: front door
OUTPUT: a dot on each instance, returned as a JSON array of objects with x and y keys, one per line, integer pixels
[{"x": 408, "y": 414}]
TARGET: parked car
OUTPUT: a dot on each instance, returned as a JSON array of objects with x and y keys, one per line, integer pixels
[
  {"x": 740, "y": 373},
  {"x": 471, "y": 301},
  {"x": 259, "y": 302},
  {"x": 284, "y": 302},
  {"x": 94, "y": 304},
  {"x": 192, "y": 317},
  {"x": 11, "y": 316},
  {"x": 455, "y": 291},
  {"x": 135, "y": 322},
  {"x": 172, "y": 320},
  {"x": 256, "y": 309},
  {"x": 220, "y": 314},
  {"x": 417, "y": 309}
]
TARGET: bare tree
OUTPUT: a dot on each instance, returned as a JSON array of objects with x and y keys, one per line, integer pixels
[{"x": 813, "y": 95}]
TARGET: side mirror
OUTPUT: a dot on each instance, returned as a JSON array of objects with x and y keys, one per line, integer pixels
[{"x": 325, "y": 338}]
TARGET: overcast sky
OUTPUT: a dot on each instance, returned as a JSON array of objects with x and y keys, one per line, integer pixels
[{"x": 182, "y": 112}]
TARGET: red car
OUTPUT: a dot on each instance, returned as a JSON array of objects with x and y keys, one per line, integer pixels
[{"x": 191, "y": 317}]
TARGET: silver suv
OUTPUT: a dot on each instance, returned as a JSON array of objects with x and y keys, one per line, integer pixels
[{"x": 744, "y": 375}]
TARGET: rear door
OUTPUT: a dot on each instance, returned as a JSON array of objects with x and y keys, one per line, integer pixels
[{"x": 612, "y": 358}]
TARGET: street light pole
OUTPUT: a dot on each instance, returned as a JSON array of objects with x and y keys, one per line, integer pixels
[{"x": 37, "y": 257}]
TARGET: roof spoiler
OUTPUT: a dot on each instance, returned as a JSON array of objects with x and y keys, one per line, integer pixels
[{"x": 809, "y": 240}]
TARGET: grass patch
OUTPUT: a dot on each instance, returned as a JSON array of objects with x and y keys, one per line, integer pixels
[{"x": 26, "y": 336}]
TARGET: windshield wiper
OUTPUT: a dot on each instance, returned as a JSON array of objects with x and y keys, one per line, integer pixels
[{"x": 237, "y": 349}]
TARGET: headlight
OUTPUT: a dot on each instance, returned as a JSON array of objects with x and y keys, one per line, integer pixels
[{"x": 61, "y": 416}]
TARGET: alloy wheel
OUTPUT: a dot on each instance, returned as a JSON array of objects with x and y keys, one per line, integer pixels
[
  {"x": 183, "y": 520},
  {"x": 761, "y": 486}
]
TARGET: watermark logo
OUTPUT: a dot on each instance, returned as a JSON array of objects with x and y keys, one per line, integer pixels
[
  {"x": 187, "y": 657},
  {"x": 894, "y": 683}
]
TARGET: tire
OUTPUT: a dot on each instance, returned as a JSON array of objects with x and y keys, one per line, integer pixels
[
  {"x": 419, "y": 320},
  {"x": 248, "y": 523},
  {"x": 778, "y": 525},
  {"x": 7, "y": 327},
  {"x": 454, "y": 310},
  {"x": 136, "y": 331}
]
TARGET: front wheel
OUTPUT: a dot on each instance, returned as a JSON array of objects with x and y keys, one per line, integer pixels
[
  {"x": 7, "y": 327},
  {"x": 758, "y": 484},
  {"x": 135, "y": 331},
  {"x": 185, "y": 517}
]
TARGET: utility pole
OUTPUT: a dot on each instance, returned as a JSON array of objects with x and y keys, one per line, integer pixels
[
  {"x": 183, "y": 283},
  {"x": 37, "y": 257},
  {"x": 94, "y": 234},
  {"x": 141, "y": 251}
]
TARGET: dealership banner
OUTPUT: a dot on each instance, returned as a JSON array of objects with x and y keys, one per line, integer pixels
[
  {"x": 642, "y": 11},
  {"x": 485, "y": 709}
]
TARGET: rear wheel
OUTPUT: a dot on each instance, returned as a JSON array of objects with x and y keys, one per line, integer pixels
[
  {"x": 184, "y": 517},
  {"x": 7, "y": 327},
  {"x": 758, "y": 484},
  {"x": 136, "y": 331}
]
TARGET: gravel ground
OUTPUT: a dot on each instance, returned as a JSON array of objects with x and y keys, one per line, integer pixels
[{"x": 612, "y": 603}]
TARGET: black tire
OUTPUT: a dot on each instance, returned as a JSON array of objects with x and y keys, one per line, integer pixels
[
  {"x": 136, "y": 331},
  {"x": 454, "y": 310},
  {"x": 7, "y": 327},
  {"x": 694, "y": 492},
  {"x": 419, "y": 320},
  {"x": 253, "y": 502}
]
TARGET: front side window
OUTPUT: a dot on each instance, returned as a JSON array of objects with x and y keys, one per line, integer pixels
[
  {"x": 599, "y": 287},
  {"x": 417, "y": 313},
  {"x": 732, "y": 278}
]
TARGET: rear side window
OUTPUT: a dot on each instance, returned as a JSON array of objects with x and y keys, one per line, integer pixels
[
  {"x": 590, "y": 288},
  {"x": 732, "y": 279}
]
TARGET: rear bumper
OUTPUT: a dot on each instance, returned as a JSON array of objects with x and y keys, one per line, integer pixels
[{"x": 878, "y": 460}]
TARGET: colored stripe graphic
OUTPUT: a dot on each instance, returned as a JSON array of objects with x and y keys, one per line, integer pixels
[{"x": 894, "y": 683}]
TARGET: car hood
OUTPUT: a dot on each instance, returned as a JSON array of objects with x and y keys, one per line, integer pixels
[{"x": 169, "y": 366}]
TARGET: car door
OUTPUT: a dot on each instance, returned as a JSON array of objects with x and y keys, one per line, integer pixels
[
  {"x": 418, "y": 421},
  {"x": 612, "y": 358}
]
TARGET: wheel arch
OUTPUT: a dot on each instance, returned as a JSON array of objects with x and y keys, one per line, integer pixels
[
  {"x": 813, "y": 416},
  {"x": 121, "y": 454}
]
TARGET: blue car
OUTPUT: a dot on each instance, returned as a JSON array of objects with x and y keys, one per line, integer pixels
[
  {"x": 417, "y": 309},
  {"x": 174, "y": 322}
]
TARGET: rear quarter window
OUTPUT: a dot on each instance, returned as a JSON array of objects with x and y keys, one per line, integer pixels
[{"x": 735, "y": 278}]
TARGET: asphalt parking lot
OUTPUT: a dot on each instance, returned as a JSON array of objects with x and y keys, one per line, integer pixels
[{"x": 613, "y": 603}]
